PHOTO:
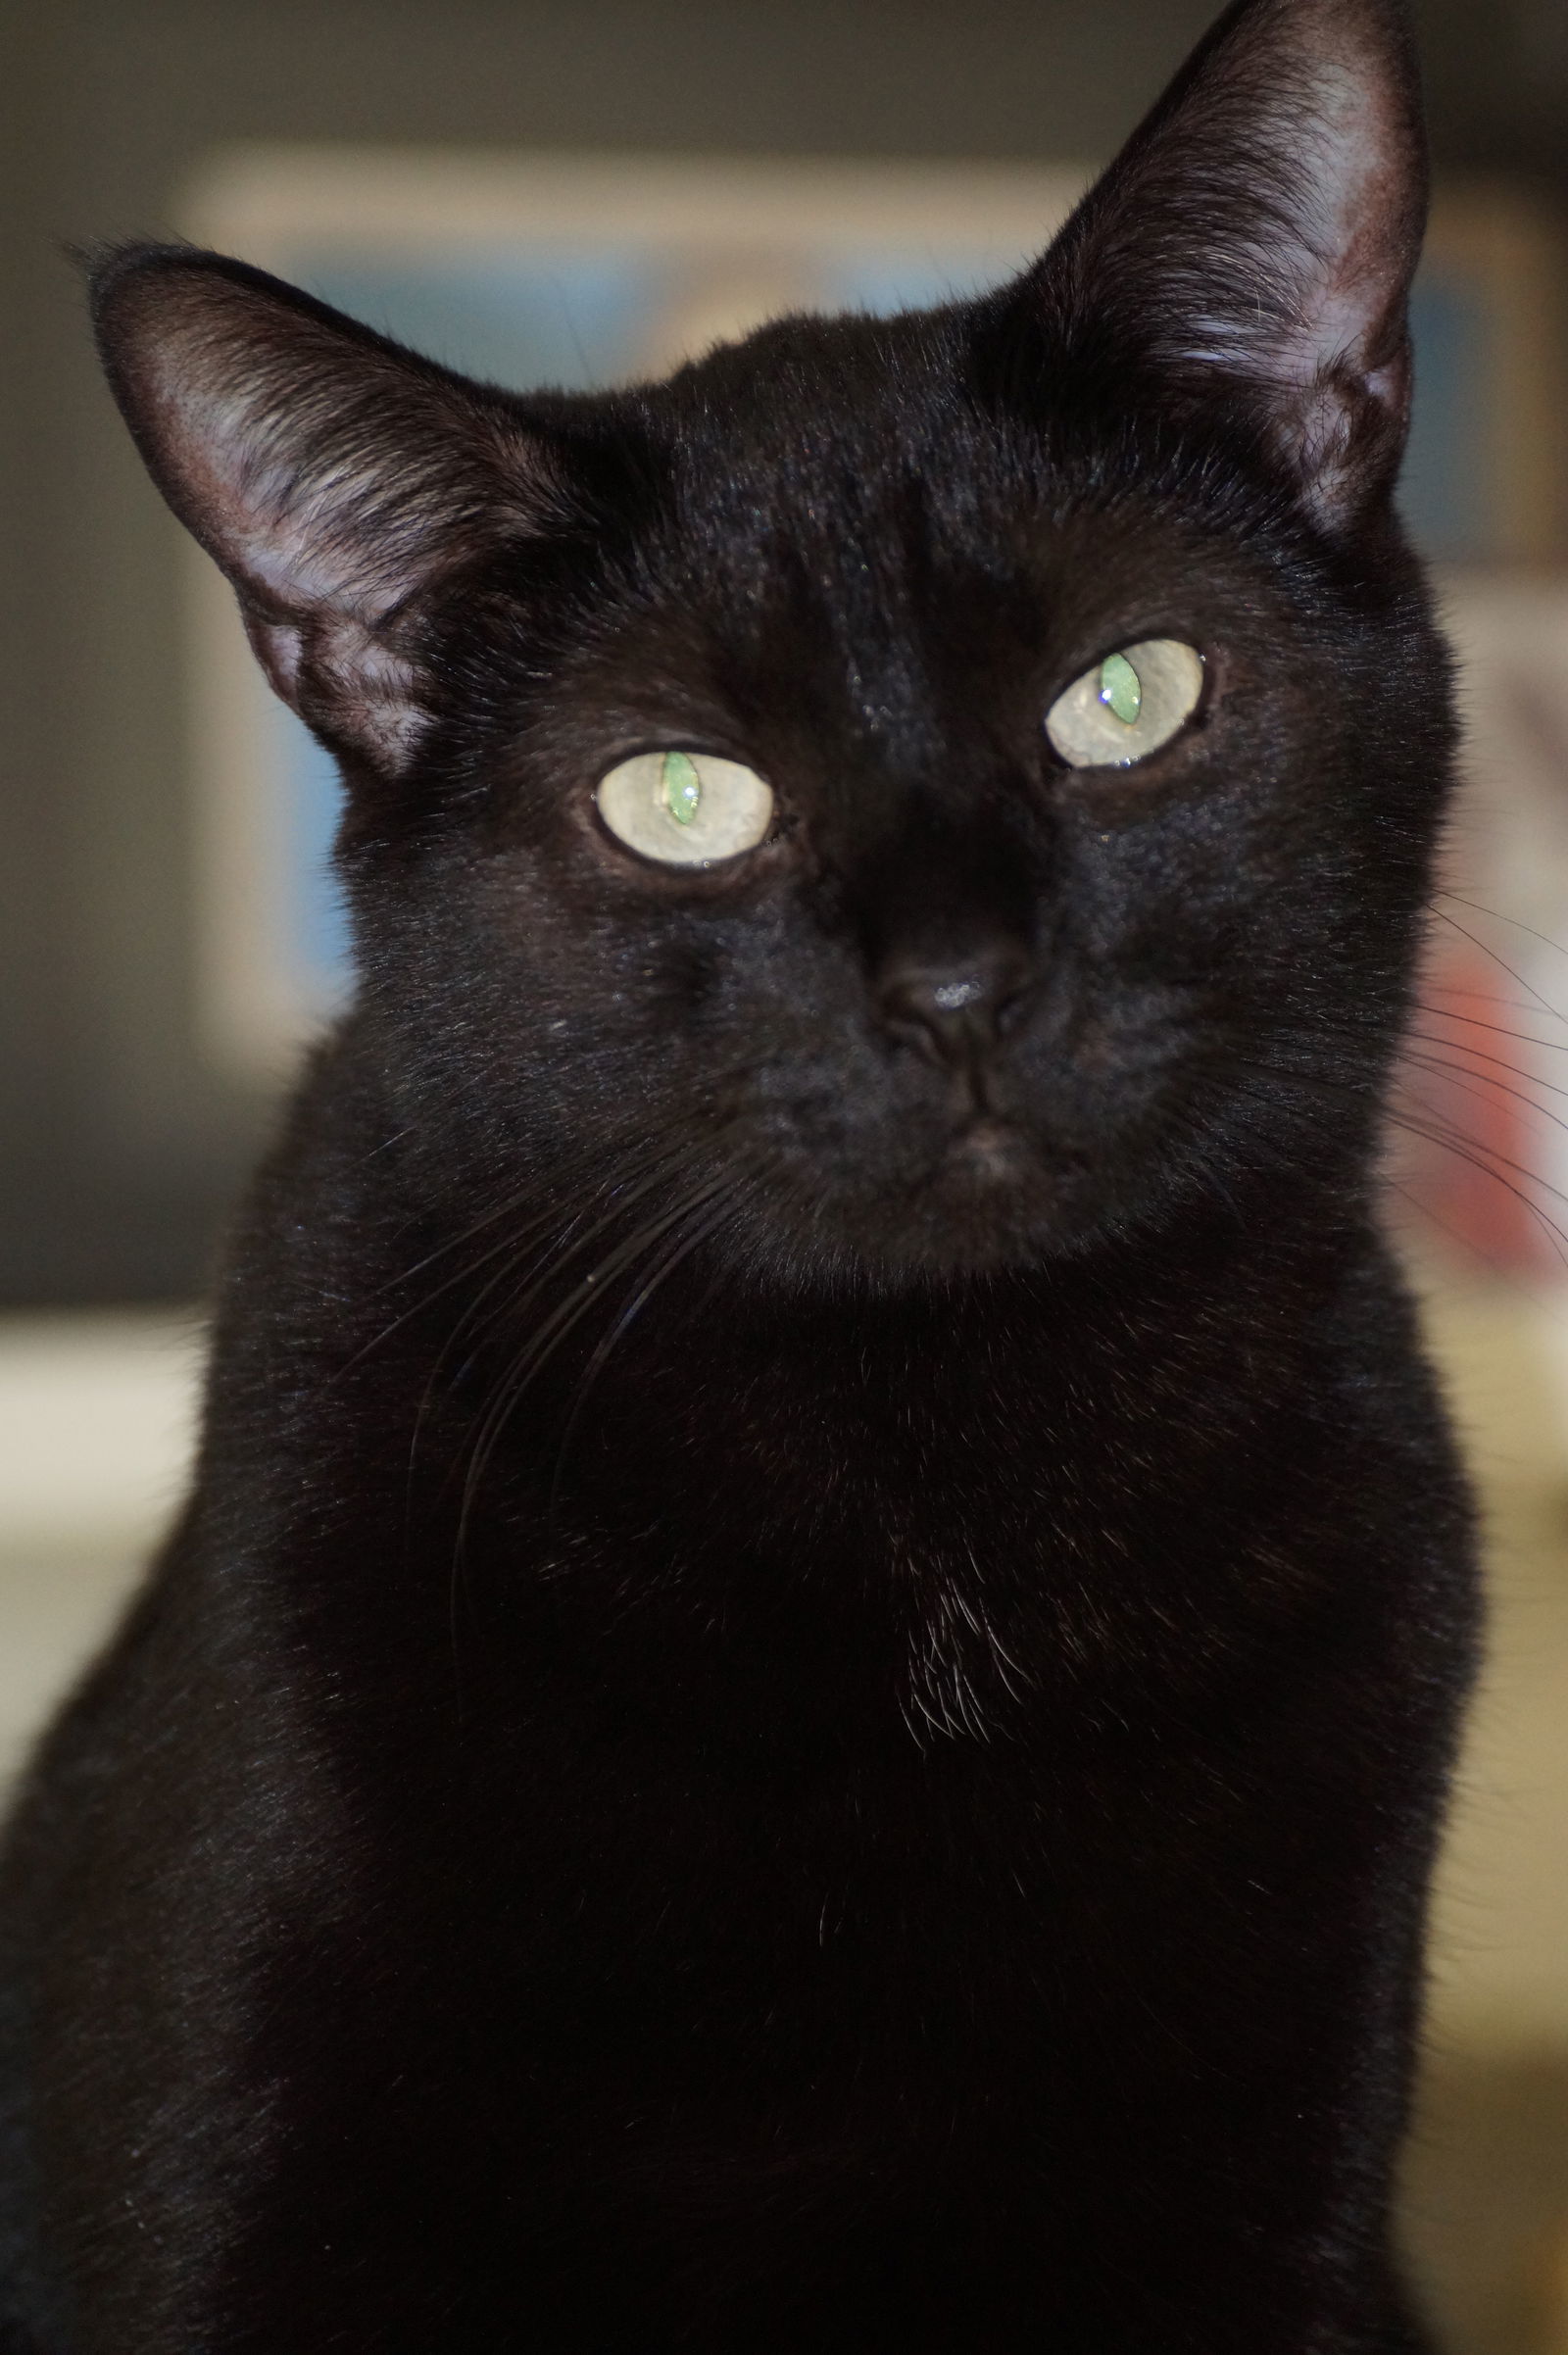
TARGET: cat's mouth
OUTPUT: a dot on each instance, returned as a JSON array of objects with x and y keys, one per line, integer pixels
[
  {"x": 988, "y": 1198},
  {"x": 989, "y": 1147},
  {"x": 971, "y": 1188}
]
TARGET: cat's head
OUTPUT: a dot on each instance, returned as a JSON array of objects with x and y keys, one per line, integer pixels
[{"x": 917, "y": 795}]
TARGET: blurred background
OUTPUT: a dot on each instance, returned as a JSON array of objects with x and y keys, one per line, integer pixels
[{"x": 577, "y": 190}]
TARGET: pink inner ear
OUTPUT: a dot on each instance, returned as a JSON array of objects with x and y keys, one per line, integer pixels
[
  {"x": 315, "y": 577},
  {"x": 1262, "y": 227},
  {"x": 333, "y": 476},
  {"x": 1323, "y": 298},
  {"x": 351, "y": 685}
]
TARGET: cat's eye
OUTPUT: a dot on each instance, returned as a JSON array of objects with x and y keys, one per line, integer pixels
[
  {"x": 1128, "y": 705},
  {"x": 685, "y": 808}
]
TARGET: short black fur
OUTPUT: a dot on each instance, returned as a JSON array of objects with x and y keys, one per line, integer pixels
[{"x": 804, "y": 1696}]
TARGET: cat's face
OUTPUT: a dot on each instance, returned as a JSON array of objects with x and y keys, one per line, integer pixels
[
  {"x": 965, "y": 1002},
  {"x": 1013, "y": 934}
]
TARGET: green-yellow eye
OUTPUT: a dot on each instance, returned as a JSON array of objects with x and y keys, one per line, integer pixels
[
  {"x": 685, "y": 808},
  {"x": 1121, "y": 690},
  {"x": 1128, "y": 705},
  {"x": 680, "y": 788}
]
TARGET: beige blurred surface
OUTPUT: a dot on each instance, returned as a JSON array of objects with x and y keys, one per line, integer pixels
[
  {"x": 95, "y": 1422},
  {"x": 1487, "y": 2173},
  {"x": 96, "y": 1419},
  {"x": 1502, "y": 1967}
]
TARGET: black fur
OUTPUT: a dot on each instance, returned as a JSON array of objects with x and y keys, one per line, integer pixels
[{"x": 804, "y": 1696}]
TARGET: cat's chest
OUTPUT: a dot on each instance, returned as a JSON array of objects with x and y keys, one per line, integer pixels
[
  {"x": 869, "y": 1877},
  {"x": 800, "y": 1946}
]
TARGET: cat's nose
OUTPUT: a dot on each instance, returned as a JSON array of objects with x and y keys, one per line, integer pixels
[{"x": 955, "y": 1010}]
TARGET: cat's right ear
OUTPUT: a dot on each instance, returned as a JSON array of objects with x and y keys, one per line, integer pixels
[{"x": 335, "y": 478}]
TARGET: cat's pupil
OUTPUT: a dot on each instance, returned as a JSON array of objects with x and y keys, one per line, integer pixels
[
  {"x": 1120, "y": 689},
  {"x": 681, "y": 788}
]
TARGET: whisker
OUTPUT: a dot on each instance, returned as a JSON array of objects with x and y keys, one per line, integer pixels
[
  {"x": 664, "y": 1268},
  {"x": 549, "y": 1337},
  {"x": 1489, "y": 1168},
  {"x": 1500, "y": 962},
  {"x": 474, "y": 1323},
  {"x": 1521, "y": 1072},
  {"x": 1498, "y": 918},
  {"x": 1472, "y": 1083},
  {"x": 1431, "y": 1127},
  {"x": 513, "y": 1241}
]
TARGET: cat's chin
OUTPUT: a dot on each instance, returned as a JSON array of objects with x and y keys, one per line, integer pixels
[{"x": 990, "y": 1204}]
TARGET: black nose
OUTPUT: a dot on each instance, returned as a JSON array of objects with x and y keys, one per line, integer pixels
[{"x": 957, "y": 1010}]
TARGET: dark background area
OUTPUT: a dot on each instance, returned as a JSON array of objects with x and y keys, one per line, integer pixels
[{"x": 118, "y": 1148}]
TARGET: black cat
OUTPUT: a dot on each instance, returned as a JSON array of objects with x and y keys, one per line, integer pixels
[{"x": 804, "y": 1699}]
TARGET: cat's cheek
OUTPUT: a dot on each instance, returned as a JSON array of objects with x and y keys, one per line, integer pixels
[{"x": 1099, "y": 804}]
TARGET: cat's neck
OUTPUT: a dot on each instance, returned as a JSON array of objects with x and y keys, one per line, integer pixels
[
  {"x": 1150, "y": 1352},
  {"x": 906, "y": 1492}
]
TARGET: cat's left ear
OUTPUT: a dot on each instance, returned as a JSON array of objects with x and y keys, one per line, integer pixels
[{"x": 1255, "y": 243}]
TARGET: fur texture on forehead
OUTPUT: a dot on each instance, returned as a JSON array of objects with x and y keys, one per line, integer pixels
[{"x": 1245, "y": 264}]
